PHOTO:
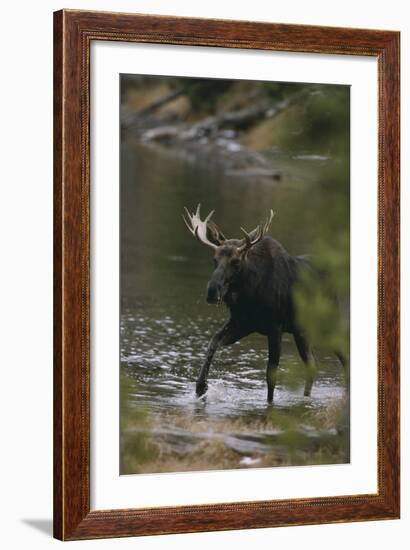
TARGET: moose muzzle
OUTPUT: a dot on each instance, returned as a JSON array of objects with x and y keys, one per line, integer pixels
[{"x": 213, "y": 295}]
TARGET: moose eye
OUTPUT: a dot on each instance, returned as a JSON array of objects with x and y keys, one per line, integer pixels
[{"x": 215, "y": 262}]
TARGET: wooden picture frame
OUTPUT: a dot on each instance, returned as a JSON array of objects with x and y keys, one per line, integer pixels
[{"x": 74, "y": 32}]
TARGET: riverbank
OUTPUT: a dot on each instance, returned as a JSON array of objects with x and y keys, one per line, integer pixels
[
  {"x": 240, "y": 127},
  {"x": 175, "y": 443}
]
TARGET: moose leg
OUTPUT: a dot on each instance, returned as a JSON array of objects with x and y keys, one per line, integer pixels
[
  {"x": 307, "y": 357},
  {"x": 274, "y": 342},
  {"x": 342, "y": 358},
  {"x": 225, "y": 336},
  {"x": 343, "y": 361}
]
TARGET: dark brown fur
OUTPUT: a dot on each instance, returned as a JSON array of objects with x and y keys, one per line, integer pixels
[{"x": 257, "y": 288}]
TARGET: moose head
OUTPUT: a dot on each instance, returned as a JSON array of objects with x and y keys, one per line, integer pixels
[{"x": 229, "y": 254}]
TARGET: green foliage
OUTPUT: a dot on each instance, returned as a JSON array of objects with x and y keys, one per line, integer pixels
[
  {"x": 320, "y": 310},
  {"x": 279, "y": 91},
  {"x": 311, "y": 436},
  {"x": 323, "y": 295},
  {"x": 292, "y": 374},
  {"x": 327, "y": 113},
  {"x": 136, "y": 445},
  {"x": 317, "y": 119},
  {"x": 203, "y": 93}
]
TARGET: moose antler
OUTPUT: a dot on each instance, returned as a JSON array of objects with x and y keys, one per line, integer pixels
[
  {"x": 216, "y": 233},
  {"x": 197, "y": 227},
  {"x": 256, "y": 235}
]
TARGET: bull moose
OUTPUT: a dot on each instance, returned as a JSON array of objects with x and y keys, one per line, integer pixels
[{"x": 254, "y": 277}]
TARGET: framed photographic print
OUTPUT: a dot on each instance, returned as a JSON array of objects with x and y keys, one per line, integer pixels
[{"x": 226, "y": 275}]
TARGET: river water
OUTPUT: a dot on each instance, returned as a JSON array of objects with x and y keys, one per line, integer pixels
[{"x": 165, "y": 320}]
